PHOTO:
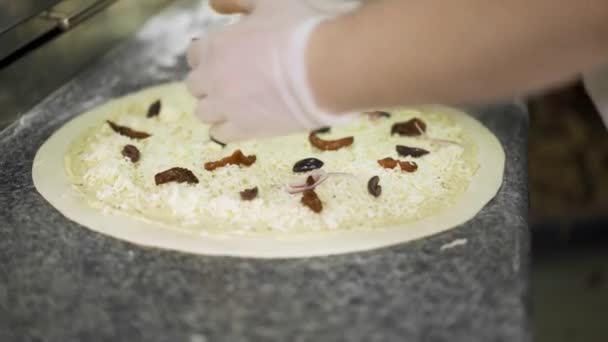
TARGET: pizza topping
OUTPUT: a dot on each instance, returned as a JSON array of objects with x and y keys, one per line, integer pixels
[
  {"x": 307, "y": 164},
  {"x": 128, "y": 132},
  {"x": 373, "y": 187},
  {"x": 390, "y": 163},
  {"x": 236, "y": 158},
  {"x": 176, "y": 174},
  {"x": 154, "y": 109},
  {"x": 414, "y": 152},
  {"x": 420, "y": 126},
  {"x": 249, "y": 194},
  {"x": 377, "y": 115},
  {"x": 321, "y": 130},
  {"x": 312, "y": 201},
  {"x": 329, "y": 145},
  {"x": 131, "y": 152},
  {"x": 217, "y": 141},
  {"x": 408, "y": 166},
  {"x": 410, "y": 128},
  {"x": 311, "y": 182}
]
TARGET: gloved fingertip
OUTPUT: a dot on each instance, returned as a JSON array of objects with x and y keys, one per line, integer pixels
[{"x": 208, "y": 112}]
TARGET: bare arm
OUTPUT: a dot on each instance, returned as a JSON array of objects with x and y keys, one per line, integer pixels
[{"x": 396, "y": 52}]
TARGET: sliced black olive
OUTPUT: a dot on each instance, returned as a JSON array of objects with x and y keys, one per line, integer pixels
[
  {"x": 249, "y": 194},
  {"x": 175, "y": 174},
  {"x": 415, "y": 152},
  {"x": 373, "y": 187},
  {"x": 154, "y": 109},
  {"x": 128, "y": 132},
  {"x": 131, "y": 152},
  {"x": 307, "y": 164}
]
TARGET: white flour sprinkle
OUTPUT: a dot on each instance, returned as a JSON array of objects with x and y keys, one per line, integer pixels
[{"x": 455, "y": 243}]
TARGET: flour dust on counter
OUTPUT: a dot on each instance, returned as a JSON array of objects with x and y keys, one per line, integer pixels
[{"x": 142, "y": 168}]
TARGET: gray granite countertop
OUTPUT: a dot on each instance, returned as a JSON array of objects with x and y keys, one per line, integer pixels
[{"x": 62, "y": 282}]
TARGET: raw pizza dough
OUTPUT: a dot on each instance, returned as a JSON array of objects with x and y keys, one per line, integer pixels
[{"x": 82, "y": 173}]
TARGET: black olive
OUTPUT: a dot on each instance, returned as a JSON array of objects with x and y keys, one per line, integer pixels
[
  {"x": 373, "y": 187},
  {"x": 415, "y": 152},
  {"x": 154, "y": 109},
  {"x": 307, "y": 164},
  {"x": 131, "y": 152}
]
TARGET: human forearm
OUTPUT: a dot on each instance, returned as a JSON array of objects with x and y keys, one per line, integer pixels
[{"x": 395, "y": 52}]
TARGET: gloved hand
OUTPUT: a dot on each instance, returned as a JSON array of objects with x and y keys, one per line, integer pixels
[{"x": 250, "y": 78}]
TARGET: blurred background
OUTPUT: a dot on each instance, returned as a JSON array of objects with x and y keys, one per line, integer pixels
[{"x": 568, "y": 169}]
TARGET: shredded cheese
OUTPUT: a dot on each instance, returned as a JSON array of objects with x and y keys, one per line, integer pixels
[{"x": 178, "y": 140}]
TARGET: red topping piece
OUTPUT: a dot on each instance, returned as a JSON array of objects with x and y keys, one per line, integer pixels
[
  {"x": 249, "y": 194},
  {"x": 176, "y": 174},
  {"x": 128, "y": 132},
  {"x": 410, "y": 128},
  {"x": 390, "y": 163},
  {"x": 236, "y": 158},
  {"x": 329, "y": 145},
  {"x": 312, "y": 201}
]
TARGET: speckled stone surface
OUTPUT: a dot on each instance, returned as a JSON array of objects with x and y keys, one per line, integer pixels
[{"x": 61, "y": 282}]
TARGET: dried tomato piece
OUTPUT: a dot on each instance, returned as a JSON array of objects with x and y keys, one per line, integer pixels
[
  {"x": 128, "y": 132},
  {"x": 236, "y": 158},
  {"x": 154, "y": 109},
  {"x": 176, "y": 174},
  {"x": 131, "y": 152},
  {"x": 414, "y": 152},
  {"x": 310, "y": 180},
  {"x": 249, "y": 194},
  {"x": 373, "y": 187},
  {"x": 307, "y": 164},
  {"x": 329, "y": 145},
  {"x": 312, "y": 201},
  {"x": 408, "y": 166},
  {"x": 390, "y": 163},
  {"x": 410, "y": 128},
  {"x": 378, "y": 114}
]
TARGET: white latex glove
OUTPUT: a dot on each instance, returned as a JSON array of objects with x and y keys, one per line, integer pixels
[{"x": 250, "y": 78}]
